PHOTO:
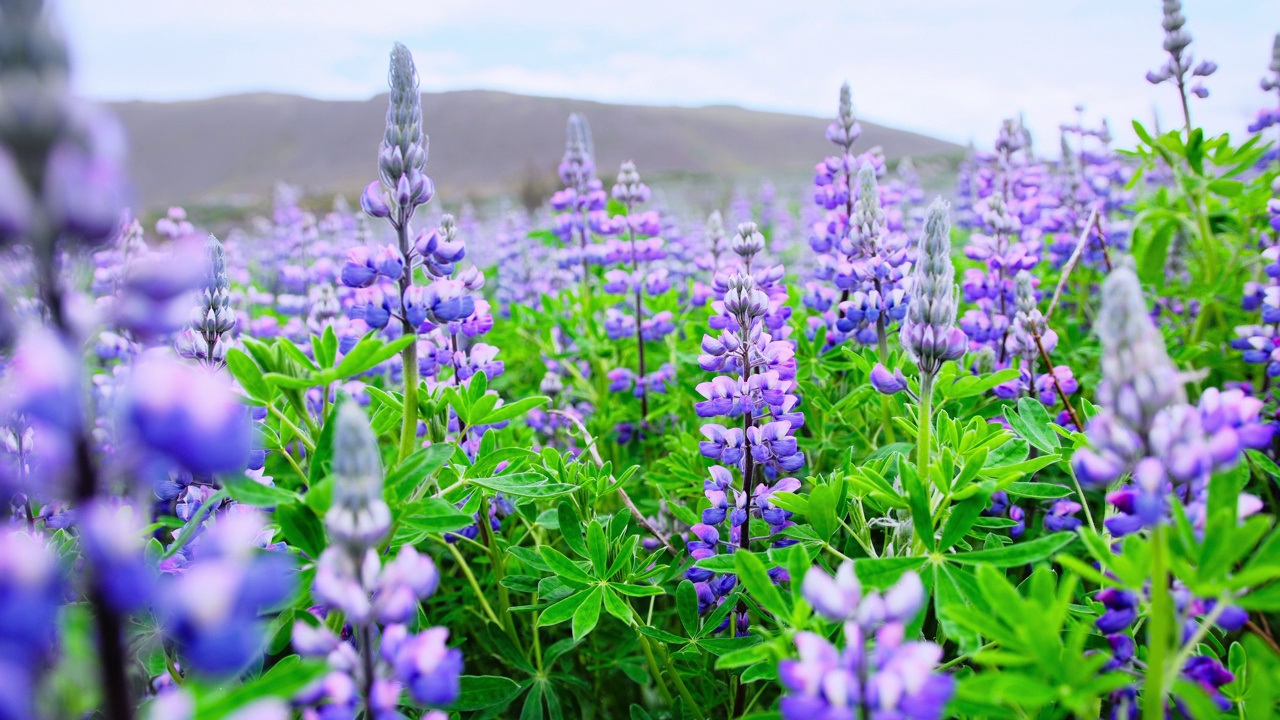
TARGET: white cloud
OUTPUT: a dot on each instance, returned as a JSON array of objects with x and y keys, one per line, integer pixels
[{"x": 949, "y": 68}]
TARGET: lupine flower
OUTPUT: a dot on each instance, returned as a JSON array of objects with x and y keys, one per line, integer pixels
[
  {"x": 31, "y": 591},
  {"x": 1147, "y": 429},
  {"x": 188, "y": 415},
  {"x": 1181, "y": 68},
  {"x": 929, "y": 334},
  {"x": 212, "y": 610},
  {"x": 887, "y": 678},
  {"x": 212, "y": 319},
  {"x": 889, "y": 383},
  {"x": 402, "y": 158},
  {"x": 358, "y": 517}
]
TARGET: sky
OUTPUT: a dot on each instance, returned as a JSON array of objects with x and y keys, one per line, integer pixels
[{"x": 948, "y": 68}]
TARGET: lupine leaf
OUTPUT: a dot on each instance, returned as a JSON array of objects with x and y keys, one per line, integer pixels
[
  {"x": 754, "y": 577},
  {"x": 587, "y": 614},
  {"x": 1017, "y": 554},
  {"x": 483, "y": 691}
]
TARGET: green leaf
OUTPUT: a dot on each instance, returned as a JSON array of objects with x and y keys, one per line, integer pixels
[
  {"x": 368, "y": 353},
  {"x": 1033, "y": 423},
  {"x": 484, "y": 691},
  {"x": 822, "y": 511},
  {"x": 249, "y": 375},
  {"x": 637, "y": 590},
  {"x": 322, "y": 460},
  {"x": 961, "y": 520},
  {"x": 562, "y": 610},
  {"x": 587, "y": 614},
  {"x": 1265, "y": 600},
  {"x": 288, "y": 382},
  {"x": 882, "y": 572},
  {"x": 510, "y": 410},
  {"x": 721, "y": 563},
  {"x": 1040, "y": 491},
  {"x": 435, "y": 515},
  {"x": 755, "y": 578},
  {"x": 284, "y": 680},
  {"x": 409, "y": 475},
  {"x": 598, "y": 548},
  {"x": 661, "y": 635},
  {"x": 743, "y": 657},
  {"x": 918, "y": 499},
  {"x": 532, "y": 709},
  {"x": 619, "y": 608},
  {"x": 250, "y": 492},
  {"x": 1022, "y": 553},
  {"x": 687, "y": 606},
  {"x": 526, "y": 484},
  {"x": 564, "y": 567},
  {"x": 301, "y": 528},
  {"x": 571, "y": 528}
]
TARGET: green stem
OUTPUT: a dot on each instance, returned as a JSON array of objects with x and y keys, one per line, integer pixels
[
  {"x": 653, "y": 667},
  {"x": 887, "y": 417},
  {"x": 680, "y": 686},
  {"x": 924, "y": 442},
  {"x": 408, "y": 356},
  {"x": 297, "y": 431},
  {"x": 294, "y": 464},
  {"x": 189, "y": 530},
  {"x": 409, "y": 427},
  {"x": 499, "y": 572},
  {"x": 1158, "y": 630},
  {"x": 471, "y": 579}
]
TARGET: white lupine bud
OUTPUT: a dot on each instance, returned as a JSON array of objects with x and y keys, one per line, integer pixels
[{"x": 359, "y": 517}]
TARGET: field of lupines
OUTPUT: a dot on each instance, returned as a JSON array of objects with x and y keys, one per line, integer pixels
[{"x": 872, "y": 456}]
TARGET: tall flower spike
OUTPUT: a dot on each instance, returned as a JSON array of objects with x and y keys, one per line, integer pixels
[
  {"x": 359, "y": 518},
  {"x": 1180, "y": 63},
  {"x": 212, "y": 319},
  {"x": 577, "y": 167},
  {"x": 845, "y": 131},
  {"x": 868, "y": 219},
  {"x": 402, "y": 159},
  {"x": 929, "y": 335},
  {"x": 1138, "y": 378}
]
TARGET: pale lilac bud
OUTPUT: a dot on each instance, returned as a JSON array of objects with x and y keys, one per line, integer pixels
[
  {"x": 372, "y": 202},
  {"x": 887, "y": 382},
  {"x": 834, "y": 598},
  {"x": 358, "y": 517}
]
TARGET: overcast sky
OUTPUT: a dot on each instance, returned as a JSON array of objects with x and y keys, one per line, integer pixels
[{"x": 950, "y": 68}]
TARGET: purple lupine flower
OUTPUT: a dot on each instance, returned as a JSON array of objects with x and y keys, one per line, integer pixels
[
  {"x": 154, "y": 293},
  {"x": 31, "y": 591},
  {"x": 358, "y": 517},
  {"x": 889, "y": 383},
  {"x": 1061, "y": 516},
  {"x": 188, "y": 415},
  {"x": 112, "y": 541},
  {"x": 929, "y": 334},
  {"x": 212, "y": 319},
  {"x": 1181, "y": 67},
  {"x": 429, "y": 668},
  {"x": 212, "y": 610},
  {"x": 888, "y": 678}
]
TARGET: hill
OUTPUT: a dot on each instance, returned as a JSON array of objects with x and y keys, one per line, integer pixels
[{"x": 483, "y": 143}]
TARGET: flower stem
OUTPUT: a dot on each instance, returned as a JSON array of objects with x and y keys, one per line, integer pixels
[
  {"x": 408, "y": 356},
  {"x": 1158, "y": 629},
  {"x": 471, "y": 580}
]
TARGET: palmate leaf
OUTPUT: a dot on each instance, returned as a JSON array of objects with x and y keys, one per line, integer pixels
[
  {"x": 587, "y": 614},
  {"x": 1023, "y": 553},
  {"x": 485, "y": 691},
  {"x": 755, "y": 578}
]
